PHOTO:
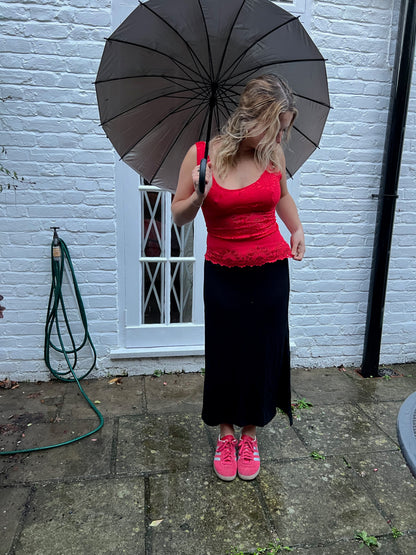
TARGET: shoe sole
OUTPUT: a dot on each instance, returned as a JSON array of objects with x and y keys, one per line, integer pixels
[
  {"x": 242, "y": 477},
  {"x": 225, "y": 478}
]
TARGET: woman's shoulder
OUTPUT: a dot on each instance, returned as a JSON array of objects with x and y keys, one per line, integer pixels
[{"x": 191, "y": 153}]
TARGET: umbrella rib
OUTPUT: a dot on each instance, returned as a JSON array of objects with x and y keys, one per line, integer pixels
[
  {"x": 305, "y": 136},
  {"x": 179, "y": 64},
  {"x": 179, "y": 108},
  {"x": 207, "y": 38},
  {"x": 273, "y": 63},
  {"x": 154, "y": 75},
  {"x": 202, "y": 128},
  {"x": 229, "y": 38},
  {"x": 224, "y": 99},
  {"x": 231, "y": 89},
  {"x": 189, "y": 120},
  {"x": 254, "y": 70},
  {"x": 188, "y": 46},
  {"x": 217, "y": 117},
  {"x": 197, "y": 86},
  {"x": 221, "y": 109},
  {"x": 174, "y": 94},
  {"x": 241, "y": 56},
  {"x": 312, "y": 100}
]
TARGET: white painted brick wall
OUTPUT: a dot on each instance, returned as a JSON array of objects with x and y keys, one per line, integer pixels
[
  {"x": 50, "y": 51},
  {"x": 50, "y": 128},
  {"x": 330, "y": 289}
]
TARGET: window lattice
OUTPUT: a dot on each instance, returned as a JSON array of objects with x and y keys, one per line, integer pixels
[{"x": 167, "y": 261}]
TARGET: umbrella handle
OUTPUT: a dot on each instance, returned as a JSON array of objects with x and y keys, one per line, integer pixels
[{"x": 202, "y": 171}]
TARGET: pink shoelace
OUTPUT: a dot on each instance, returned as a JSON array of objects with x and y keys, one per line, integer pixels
[
  {"x": 246, "y": 449},
  {"x": 226, "y": 448}
]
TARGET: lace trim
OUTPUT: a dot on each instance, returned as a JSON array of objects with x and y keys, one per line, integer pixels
[{"x": 232, "y": 259}]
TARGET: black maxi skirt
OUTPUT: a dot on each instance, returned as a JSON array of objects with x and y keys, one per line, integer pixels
[{"x": 247, "y": 359}]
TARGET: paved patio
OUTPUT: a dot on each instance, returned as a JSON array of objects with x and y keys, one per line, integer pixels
[{"x": 144, "y": 484}]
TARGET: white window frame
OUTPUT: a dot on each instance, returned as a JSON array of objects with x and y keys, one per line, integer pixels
[{"x": 151, "y": 339}]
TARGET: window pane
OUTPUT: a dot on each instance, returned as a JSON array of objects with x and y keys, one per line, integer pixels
[
  {"x": 181, "y": 292},
  {"x": 167, "y": 260},
  {"x": 182, "y": 240},
  {"x": 153, "y": 237},
  {"x": 153, "y": 288}
]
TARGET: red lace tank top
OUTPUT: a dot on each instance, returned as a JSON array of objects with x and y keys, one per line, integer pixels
[{"x": 241, "y": 223}]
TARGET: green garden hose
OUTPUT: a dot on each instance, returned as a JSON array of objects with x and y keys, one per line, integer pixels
[{"x": 55, "y": 324}]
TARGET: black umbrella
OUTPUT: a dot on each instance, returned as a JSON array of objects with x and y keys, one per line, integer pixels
[{"x": 172, "y": 73}]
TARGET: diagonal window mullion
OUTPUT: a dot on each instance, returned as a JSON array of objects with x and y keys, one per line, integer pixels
[
  {"x": 152, "y": 220},
  {"x": 173, "y": 289},
  {"x": 152, "y": 288}
]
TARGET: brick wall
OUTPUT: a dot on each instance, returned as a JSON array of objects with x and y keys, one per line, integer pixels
[
  {"x": 330, "y": 289},
  {"x": 50, "y": 51},
  {"x": 50, "y": 128}
]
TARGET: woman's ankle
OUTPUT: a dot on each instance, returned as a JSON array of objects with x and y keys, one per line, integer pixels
[
  {"x": 226, "y": 430},
  {"x": 249, "y": 431}
]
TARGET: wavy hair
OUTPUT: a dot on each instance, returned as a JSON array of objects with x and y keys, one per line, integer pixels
[{"x": 262, "y": 101}]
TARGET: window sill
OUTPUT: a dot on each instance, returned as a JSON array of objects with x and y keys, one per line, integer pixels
[{"x": 156, "y": 352}]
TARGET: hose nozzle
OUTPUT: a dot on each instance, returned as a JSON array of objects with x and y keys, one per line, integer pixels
[{"x": 56, "y": 246}]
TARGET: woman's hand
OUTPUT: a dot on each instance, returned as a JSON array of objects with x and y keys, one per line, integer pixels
[
  {"x": 297, "y": 243},
  {"x": 188, "y": 199},
  {"x": 208, "y": 182}
]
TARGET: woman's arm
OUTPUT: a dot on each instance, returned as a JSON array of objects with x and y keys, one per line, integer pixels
[
  {"x": 188, "y": 199},
  {"x": 288, "y": 213}
]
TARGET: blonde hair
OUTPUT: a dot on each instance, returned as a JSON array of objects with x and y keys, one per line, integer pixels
[{"x": 261, "y": 103}]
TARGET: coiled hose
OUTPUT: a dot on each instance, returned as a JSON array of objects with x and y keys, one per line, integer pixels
[{"x": 54, "y": 324}]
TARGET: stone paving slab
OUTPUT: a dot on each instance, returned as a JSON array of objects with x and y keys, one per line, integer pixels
[
  {"x": 174, "y": 393},
  {"x": 339, "y": 429},
  {"x": 12, "y": 506},
  {"x": 386, "y": 389},
  {"x": 384, "y": 414},
  {"x": 124, "y": 398},
  {"x": 351, "y": 547},
  {"x": 204, "y": 516},
  {"x": 328, "y": 386},
  {"x": 89, "y": 517},
  {"x": 391, "y": 484},
  {"x": 157, "y": 443},
  {"x": 323, "y": 496},
  {"x": 30, "y": 398},
  {"x": 279, "y": 441},
  {"x": 8, "y": 437},
  {"x": 404, "y": 545},
  {"x": 85, "y": 458}
]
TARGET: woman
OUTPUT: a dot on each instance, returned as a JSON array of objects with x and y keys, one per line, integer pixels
[{"x": 246, "y": 283}]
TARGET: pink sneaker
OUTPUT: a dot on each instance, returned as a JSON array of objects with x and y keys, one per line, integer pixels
[
  {"x": 225, "y": 460},
  {"x": 248, "y": 458}
]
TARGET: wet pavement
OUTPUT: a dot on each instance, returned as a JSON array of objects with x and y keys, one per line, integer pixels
[{"x": 144, "y": 483}]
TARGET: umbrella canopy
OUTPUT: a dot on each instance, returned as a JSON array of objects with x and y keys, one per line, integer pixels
[{"x": 171, "y": 74}]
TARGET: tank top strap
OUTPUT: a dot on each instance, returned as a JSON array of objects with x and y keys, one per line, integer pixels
[{"x": 200, "y": 151}]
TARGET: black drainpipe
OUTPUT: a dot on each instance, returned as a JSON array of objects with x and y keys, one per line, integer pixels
[{"x": 399, "y": 100}]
